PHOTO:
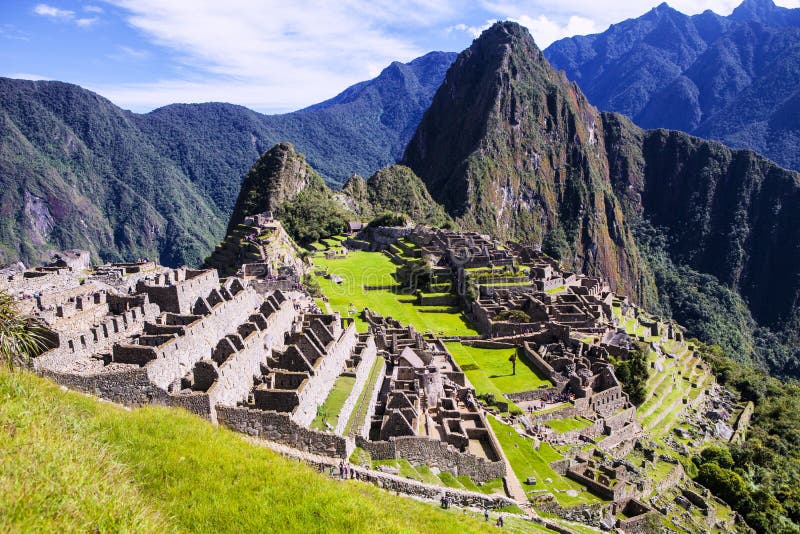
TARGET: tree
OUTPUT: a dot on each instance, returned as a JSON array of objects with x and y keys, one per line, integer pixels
[
  {"x": 633, "y": 373},
  {"x": 727, "y": 485},
  {"x": 513, "y": 360},
  {"x": 513, "y": 316},
  {"x": 21, "y": 337},
  {"x": 389, "y": 219},
  {"x": 555, "y": 243}
]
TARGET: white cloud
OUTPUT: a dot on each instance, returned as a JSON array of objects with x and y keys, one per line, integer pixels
[
  {"x": 545, "y": 30},
  {"x": 474, "y": 31},
  {"x": 56, "y": 13},
  {"x": 50, "y": 11},
  {"x": 86, "y": 22},
  {"x": 9, "y": 31},
  {"x": 273, "y": 55}
]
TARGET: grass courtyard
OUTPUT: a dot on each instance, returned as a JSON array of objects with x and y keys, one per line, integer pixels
[
  {"x": 489, "y": 370},
  {"x": 360, "y": 270},
  {"x": 69, "y": 463}
]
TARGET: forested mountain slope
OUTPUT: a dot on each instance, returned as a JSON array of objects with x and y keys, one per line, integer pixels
[{"x": 78, "y": 171}]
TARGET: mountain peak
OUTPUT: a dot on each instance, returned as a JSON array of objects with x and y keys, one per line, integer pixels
[
  {"x": 506, "y": 138},
  {"x": 278, "y": 175},
  {"x": 754, "y": 10},
  {"x": 507, "y": 32}
]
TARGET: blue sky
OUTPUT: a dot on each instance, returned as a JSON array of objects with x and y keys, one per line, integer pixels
[{"x": 268, "y": 55}]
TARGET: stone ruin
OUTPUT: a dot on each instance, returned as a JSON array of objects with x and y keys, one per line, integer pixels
[
  {"x": 179, "y": 337},
  {"x": 425, "y": 408}
]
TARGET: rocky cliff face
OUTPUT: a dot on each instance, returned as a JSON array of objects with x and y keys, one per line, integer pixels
[
  {"x": 729, "y": 213},
  {"x": 510, "y": 147}
]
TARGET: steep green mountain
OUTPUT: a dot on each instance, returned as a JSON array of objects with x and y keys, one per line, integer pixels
[
  {"x": 732, "y": 79},
  {"x": 393, "y": 189},
  {"x": 364, "y": 128},
  {"x": 78, "y": 171},
  {"x": 276, "y": 178},
  {"x": 510, "y": 148},
  {"x": 689, "y": 227}
]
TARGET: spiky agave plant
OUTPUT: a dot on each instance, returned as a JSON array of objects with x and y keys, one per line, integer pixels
[{"x": 21, "y": 337}]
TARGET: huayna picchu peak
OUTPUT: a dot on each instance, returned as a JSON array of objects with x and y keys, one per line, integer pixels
[
  {"x": 510, "y": 147},
  {"x": 461, "y": 296}
]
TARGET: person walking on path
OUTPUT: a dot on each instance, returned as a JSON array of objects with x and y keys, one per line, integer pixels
[{"x": 486, "y": 513}]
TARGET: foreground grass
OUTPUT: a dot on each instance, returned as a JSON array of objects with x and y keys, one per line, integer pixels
[
  {"x": 71, "y": 463},
  {"x": 371, "y": 269}
]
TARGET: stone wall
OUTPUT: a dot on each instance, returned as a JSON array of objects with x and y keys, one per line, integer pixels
[
  {"x": 326, "y": 370},
  {"x": 235, "y": 375},
  {"x": 82, "y": 344},
  {"x": 618, "y": 436},
  {"x": 178, "y": 356},
  {"x": 531, "y": 395},
  {"x": 434, "y": 453},
  {"x": 429, "y": 491},
  {"x": 742, "y": 423},
  {"x": 279, "y": 427},
  {"x": 181, "y": 296},
  {"x": 590, "y": 514},
  {"x": 130, "y": 387}
]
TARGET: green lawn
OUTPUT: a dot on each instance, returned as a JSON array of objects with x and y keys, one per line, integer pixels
[
  {"x": 69, "y": 463},
  {"x": 360, "y": 269},
  {"x": 566, "y": 425},
  {"x": 489, "y": 370},
  {"x": 359, "y": 412},
  {"x": 329, "y": 411},
  {"x": 528, "y": 462}
]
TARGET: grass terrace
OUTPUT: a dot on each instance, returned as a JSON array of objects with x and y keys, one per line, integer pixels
[
  {"x": 359, "y": 413},
  {"x": 526, "y": 461},
  {"x": 360, "y": 270},
  {"x": 73, "y": 464},
  {"x": 567, "y": 425},
  {"x": 328, "y": 412}
]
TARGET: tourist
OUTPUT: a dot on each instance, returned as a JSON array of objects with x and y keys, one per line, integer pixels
[
  {"x": 500, "y": 521},
  {"x": 485, "y": 513}
]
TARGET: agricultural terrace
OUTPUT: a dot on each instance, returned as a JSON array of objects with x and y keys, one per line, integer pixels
[
  {"x": 368, "y": 282},
  {"x": 675, "y": 376},
  {"x": 531, "y": 460}
]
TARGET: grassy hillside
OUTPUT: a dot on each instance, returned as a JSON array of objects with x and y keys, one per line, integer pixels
[{"x": 71, "y": 463}]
